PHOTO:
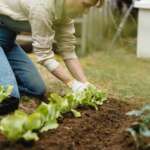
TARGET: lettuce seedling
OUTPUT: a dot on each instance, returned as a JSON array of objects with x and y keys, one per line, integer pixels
[
  {"x": 91, "y": 97},
  {"x": 141, "y": 129},
  {"x": 13, "y": 125}
]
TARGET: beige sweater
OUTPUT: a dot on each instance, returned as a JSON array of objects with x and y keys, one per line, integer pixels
[{"x": 48, "y": 24}]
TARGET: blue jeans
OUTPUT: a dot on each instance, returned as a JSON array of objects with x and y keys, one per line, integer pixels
[{"x": 16, "y": 68}]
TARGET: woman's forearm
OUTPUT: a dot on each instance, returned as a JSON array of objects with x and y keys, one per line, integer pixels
[
  {"x": 58, "y": 70},
  {"x": 75, "y": 69},
  {"x": 62, "y": 74}
]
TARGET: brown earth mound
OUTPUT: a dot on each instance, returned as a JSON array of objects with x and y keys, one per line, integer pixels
[{"x": 95, "y": 130}]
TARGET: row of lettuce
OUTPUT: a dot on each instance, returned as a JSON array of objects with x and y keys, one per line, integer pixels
[{"x": 21, "y": 125}]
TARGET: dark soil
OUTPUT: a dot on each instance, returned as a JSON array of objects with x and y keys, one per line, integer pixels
[{"x": 96, "y": 130}]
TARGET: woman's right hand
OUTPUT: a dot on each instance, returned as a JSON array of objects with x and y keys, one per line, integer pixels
[{"x": 77, "y": 86}]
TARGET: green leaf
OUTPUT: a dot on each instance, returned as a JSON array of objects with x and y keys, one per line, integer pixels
[
  {"x": 43, "y": 109},
  {"x": 146, "y": 119},
  {"x": 55, "y": 98},
  {"x": 9, "y": 90},
  {"x": 13, "y": 125},
  {"x": 54, "y": 111},
  {"x": 51, "y": 124},
  {"x": 144, "y": 130},
  {"x": 5, "y": 93},
  {"x": 35, "y": 121},
  {"x": 76, "y": 113},
  {"x": 29, "y": 136},
  {"x": 138, "y": 113}
]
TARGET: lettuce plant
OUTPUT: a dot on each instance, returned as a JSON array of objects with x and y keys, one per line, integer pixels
[
  {"x": 20, "y": 125},
  {"x": 140, "y": 130}
]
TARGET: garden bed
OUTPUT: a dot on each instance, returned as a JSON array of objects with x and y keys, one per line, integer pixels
[{"x": 101, "y": 130}]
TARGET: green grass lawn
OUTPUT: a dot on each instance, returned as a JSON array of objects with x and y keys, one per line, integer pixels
[{"x": 120, "y": 72}]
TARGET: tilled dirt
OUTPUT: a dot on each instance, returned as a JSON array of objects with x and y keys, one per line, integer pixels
[{"x": 95, "y": 130}]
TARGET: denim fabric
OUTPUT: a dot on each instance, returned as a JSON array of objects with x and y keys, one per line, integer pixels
[
  {"x": 6, "y": 74},
  {"x": 16, "y": 68}
]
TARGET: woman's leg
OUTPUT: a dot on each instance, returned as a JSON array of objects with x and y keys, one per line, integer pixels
[
  {"x": 7, "y": 76},
  {"x": 27, "y": 76}
]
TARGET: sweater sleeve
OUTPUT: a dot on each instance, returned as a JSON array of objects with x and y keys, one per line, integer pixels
[
  {"x": 66, "y": 39},
  {"x": 42, "y": 33}
]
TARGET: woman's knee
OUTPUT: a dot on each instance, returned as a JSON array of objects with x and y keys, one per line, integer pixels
[
  {"x": 35, "y": 88},
  {"x": 39, "y": 89}
]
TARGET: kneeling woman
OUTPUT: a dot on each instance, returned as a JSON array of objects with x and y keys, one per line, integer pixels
[{"x": 48, "y": 21}]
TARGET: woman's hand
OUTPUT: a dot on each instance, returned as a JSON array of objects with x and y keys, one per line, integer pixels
[{"x": 78, "y": 86}]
